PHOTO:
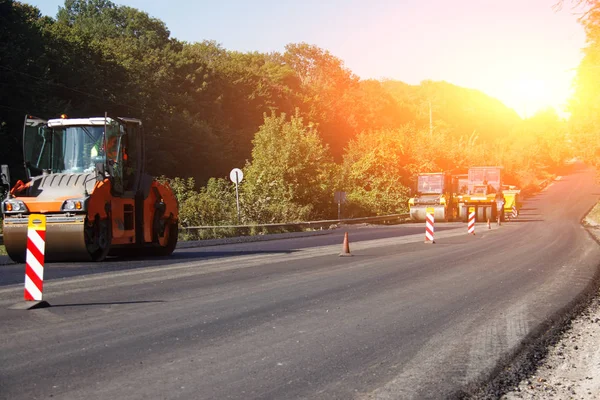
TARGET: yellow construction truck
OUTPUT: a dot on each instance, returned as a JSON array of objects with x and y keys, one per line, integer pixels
[{"x": 435, "y": 190}]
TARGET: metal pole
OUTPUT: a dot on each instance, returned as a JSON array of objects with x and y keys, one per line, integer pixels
[
  {"x": 430, "y": 119},
  {"x": 237, "y": 196}
]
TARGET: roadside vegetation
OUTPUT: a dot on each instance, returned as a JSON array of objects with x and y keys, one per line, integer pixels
[{"x": 299, "y": 123}]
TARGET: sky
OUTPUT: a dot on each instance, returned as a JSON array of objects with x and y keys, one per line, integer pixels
[{"x": 522, "y": 52}]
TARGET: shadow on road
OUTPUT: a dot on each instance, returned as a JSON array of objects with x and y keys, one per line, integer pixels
[
  {"x": 512, "y": 221},
  {"x": 14, "y": 273},
  {"x": 114, "y": 303},
  {"x": 194, "y": 253}
]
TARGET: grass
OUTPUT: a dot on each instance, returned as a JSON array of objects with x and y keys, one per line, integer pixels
[
  {"x": 219, "y": 233},
  {"x": 3, "y": 251}
]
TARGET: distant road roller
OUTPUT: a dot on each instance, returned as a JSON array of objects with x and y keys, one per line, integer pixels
[
  {"x": 87, "y": 176},
  {"x": 434, "y": 190},
  {"x": 483, "y": 185}
]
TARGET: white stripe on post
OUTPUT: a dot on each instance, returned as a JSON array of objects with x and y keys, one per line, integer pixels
[
  {"x": 35, "y": 265},
  {"x": 35, "y": 237},
  {"x": 33, "y": 290}
]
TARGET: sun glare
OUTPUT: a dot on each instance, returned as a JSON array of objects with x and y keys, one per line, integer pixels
[{"x": 530, "y": 94}]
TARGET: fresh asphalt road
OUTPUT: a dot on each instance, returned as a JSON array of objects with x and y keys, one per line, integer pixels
[{"x": 290, "y": 319}]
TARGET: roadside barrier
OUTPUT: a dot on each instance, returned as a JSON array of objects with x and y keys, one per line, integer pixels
[
  {"x": 515, "y": 213},
  {"x": 429, "y": 225},
  {"x": 392, "y": 219},
  {"x": 471, "y": 224},
  {"x": 34, "y": 268}
]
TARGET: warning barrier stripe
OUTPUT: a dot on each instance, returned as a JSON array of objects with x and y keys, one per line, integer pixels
[
  {"x": 471, "y": 225},
  {"x": 34, "y": 268},
  {"x": 429, "y": 227}
]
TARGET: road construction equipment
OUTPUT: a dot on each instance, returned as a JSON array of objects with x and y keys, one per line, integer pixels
[
  {"x": 462, "y": 184},
  {"x": 512, "y": 200},
  {"x": 482, "y": 185},
  {"x": 87, "y": 176},
  {"x": 434, "y": 190}
]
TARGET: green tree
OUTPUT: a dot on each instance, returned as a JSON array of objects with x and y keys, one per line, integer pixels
[
  {"x": 585, "y": 103},
  {"x": 290, "y": 176},
  {"x": 325, "y": 93},
  {"x": 374, "y": 172}
]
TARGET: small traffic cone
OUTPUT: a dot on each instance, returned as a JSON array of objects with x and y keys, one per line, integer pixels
[
  {"x": 489, "y": 225},
  {"x": 345, "y": 247}
]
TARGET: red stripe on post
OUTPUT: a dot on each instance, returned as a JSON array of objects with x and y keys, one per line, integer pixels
[
  {"x": 35, "y": 251},
  {"x": 42, "y": 235},
  {"x": 28, "y": 296},
  {"x": 33, "y": 277}
]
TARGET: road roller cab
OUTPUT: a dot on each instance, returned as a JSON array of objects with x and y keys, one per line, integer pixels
[{"x": 86, "y": 175}]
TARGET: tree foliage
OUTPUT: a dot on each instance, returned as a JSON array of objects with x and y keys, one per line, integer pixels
[
  {"x": 585, "y": 103},
  {"x": 290, "y": 174},
  {"x": 207, "y": 109}
]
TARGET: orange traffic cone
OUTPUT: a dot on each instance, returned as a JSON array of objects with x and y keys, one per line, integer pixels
[{"x": 346, "y": 247}]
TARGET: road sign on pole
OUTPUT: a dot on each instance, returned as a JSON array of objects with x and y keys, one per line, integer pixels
[
  {"x": 339, "y": 197},
  {"x": 236, "y": 175}
]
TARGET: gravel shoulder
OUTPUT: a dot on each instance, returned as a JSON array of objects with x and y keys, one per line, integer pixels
[{"x": 571, "y": 368}]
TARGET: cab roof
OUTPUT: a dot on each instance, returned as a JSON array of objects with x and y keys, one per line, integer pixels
[{"x": 97, "y": 121}]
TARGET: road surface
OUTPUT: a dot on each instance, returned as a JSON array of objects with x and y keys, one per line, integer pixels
[{"x": 291, "y": 319}]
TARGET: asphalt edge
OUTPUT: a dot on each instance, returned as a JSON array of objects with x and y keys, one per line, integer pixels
[{"x": 531, "y": 353}]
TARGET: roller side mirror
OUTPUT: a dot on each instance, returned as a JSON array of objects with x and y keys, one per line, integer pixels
[{"x": 5, "y": 176}]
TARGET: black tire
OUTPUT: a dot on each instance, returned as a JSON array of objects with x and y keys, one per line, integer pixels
[
  {"x": 172, "y": 231},
  {"x": 465, "y": 214},
  {"x": 98, "y": 239},
  {"x": 480, "y": 212}
]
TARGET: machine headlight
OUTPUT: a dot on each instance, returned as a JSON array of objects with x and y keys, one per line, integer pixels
[
  {"x": 74, "y": 205},
  {"x": 14, "y": 206}
]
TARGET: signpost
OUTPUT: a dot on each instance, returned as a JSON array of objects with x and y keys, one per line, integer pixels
[
  {"x": 339, "y": 197},
  {"x": 236, "y": 175}
]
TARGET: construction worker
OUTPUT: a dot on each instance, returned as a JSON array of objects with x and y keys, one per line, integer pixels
[
  {"x": 96, "y": 152},
  {"x": 499, "y": 199}
]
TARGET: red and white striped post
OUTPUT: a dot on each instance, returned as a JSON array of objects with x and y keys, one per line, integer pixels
[
  {"x": 471, "y": 223},
  {"x": 36, "y": 247},
  {"x": 515, "y": 213},
  {"x": 429, "y": 225}
]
